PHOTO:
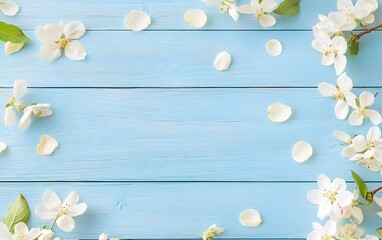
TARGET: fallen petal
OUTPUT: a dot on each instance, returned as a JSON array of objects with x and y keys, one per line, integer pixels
[
  {"x": 47, "y": 145},
  {"x": 222, "y": 61},
  {"x": 279, "y": 112},
  {"x": 195, "y": 18},
  {"x": 274, "y": 47},
  {"x": 250, "y": 218},
  {"x": 3, "y": 146},
  {"x": 137, "y": 20},
  {"x": 10, "y": 47},
  {"x": 302, "y": 151}
]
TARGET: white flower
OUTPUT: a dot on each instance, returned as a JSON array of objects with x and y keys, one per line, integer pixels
[
  {"x": 225, "y": 7},
  {"x": 335, "y": 22},
  {"x": 340, "y": 93},
  {"x": 250, "y": 218},
  {"x": 361, "y": 11},
  {"x": 10, "y": 48},
  {"x": 326, "y": 232},
  {"x": 329, "y": 193},
  {"x": 56, "y": 37},
  {"x": 351, "y": 211},
  {"x": 19, "y": 89},
  {"x": 22, "y": 232},
  {"x": 370, "y": 162},
  {"x": 349, "y": 232},
  {"x": 52, "y": 209},
  {"x": 261, "y": 10},
  {"x": 46, "y": 234},
  {"x": 361, "y": 106},
  {"x": 212, "y": 231},
  {"x": 39, "y": 110},
  {"x": 378, "y": 201},
  {"x": 333, "y": 50},
  {"x": 9, "y": 8}
]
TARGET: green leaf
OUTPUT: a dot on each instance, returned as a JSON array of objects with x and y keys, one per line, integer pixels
[
  {"x": 8, "y": 105},
  {"x": 12, "y": 33},
  {"x": 354, "y": 47},
  {"x": 361, "y": 185},
  {"x": 288, "y": 8},
  {"x": 17, "y": 212},
  {"x": 379, "y": 232}
]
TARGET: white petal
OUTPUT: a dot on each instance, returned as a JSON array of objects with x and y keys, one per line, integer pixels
[
  {"x": 349, "y": 151},
  {"x": 137, "y": 20},
  {"x": 233, "y": 13},
  {"x": 340, "y": 63},
  {"x": 342, "y": 136},
  {"x": 247, "y": 9},
  {"x": 10, "y": 116},
  {"x": 222, "y": 61},
  {"x": 77, "y": 209},
  {"x": 366, "y": 99},
  {"x": 50, "y": 32},
  {"x": 302, "y": 151},
  {"x": 10, "y": 48},
  {"x": 66, "y": 223},
  {"x": 47, "y": 145},
  {"x": 375, "y": 117},
  {"x": 71, "y": 199},
  {"x": 357, "y": 215},
  {"x": 274, "y": 47},
  {"x": 355, "y": 119},
  {"x": 267, "y": 21},
  {"x": 323, "y": 181},
  {"x": 196, "y": 18},
  {"x": 25, "y": 120},
  {"x": 4, "y": 232},
  {"x": 21, "y": 227},
  {"x": 50, "y": 52},
  {"x": 278, "y": 112},
  {"x": 250, "y": 218},
  {"x": 103, "y": 236},
  {"x": 324, "y": 209},
  {"x": 341, "y": 109},
  {"x": 212, "y": 2},
  {"x": 75, "y": 51},
  {"x": 269, "y": 5},
  {"x": 19, "y": 88},
  {"x": 42, "y": 110},
  {"x": 326, "y": 89},
  {"x": 9, "y": 8},
  {"x": 3, "y": 146},
  {"x": 314, "y": 196},
  {"x": 45, "y": 214},
  {"x": 344, "y": 83},
  {"x": 51, "y": 200},
  {"x": 74, "y": 30}
]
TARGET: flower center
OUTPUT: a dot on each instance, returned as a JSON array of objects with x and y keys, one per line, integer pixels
[
  {"x": 339, "y": 96},
  {"x": 64, "y": 209},
  {"x": 362, "y": 112},
  {"x": 260, "y": 14},
  {"x": 330, "y": 195},
  {"x": 22, "y": 236},
  {"x": 372, "y": 143},
  {"x": 63, "y": 42},
  {"x": 325, "y": 237}
]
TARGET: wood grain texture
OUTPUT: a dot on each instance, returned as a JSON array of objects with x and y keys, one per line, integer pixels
[
  {"x": 182, "y": 210},
  {"x": 185, "y": 59},
  {"x": 178, "y": 134},
  {"x": 165, "y": 14}
]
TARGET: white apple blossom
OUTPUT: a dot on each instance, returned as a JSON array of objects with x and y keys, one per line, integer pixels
[
  {"x": 333, "y": 50},
  {"x": 349, "y": 232},
  {"x": 361, "y": 106},
  {"x": 326, "y": 232},
  {"x": 261, "y": 11},
  {"x": 351, "y": 211},
  {"x": 334, "y": 23},
  {"x": 212, "y": 231},
  {"x": 361, "y": 12},
  {"x": 56, "y": 37},
  {"x": 63, "y": 213},
  {"x": 329, "y": 193},
  {"x": 19, "y": 89},
  {"x": 340, "y": 93},
  {"x": 22, "y": 232},
  {"x": 9, "y": 8},
  {"x": 46, "y": 234},
  {"x": 39, "y": 110},
  {"x": 225, "y": 7}
]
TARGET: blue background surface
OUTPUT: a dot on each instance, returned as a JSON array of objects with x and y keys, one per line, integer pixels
[{"x": 160, "y": 144}]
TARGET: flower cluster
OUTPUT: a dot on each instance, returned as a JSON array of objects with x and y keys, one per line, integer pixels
[
  {"x": 365, "y": 150},
  {"x": 259, "y": 9},
  {"x": 342, "y": 208},
  {"x": 333, "y": 33},
  {"x": 345, "y": 98}
]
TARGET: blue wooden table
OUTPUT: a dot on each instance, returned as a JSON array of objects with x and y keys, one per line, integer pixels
[{"x": 161, "y": 145}]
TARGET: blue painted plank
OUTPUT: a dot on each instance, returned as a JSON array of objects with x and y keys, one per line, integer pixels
[
  {"x": 185, "y": 59},
  {"x": 182, "y": 210},
  {"x": 165, "y": 14},
  {"x": 178, "y": 134}
]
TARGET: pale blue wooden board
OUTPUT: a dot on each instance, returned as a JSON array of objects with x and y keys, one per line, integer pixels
[
  {"x": 185, "y": 59},
  {"x": 182, "y": 210},
  {"x": 179, "y": 134}
]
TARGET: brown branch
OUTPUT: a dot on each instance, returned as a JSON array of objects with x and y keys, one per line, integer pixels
[
  {"x": 366, "y": 31},
  {"x": 375, "y": 191}
]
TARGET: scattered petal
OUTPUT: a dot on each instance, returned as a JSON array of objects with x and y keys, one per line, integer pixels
[
  {"x": 279, "y": 112},
  {"x": 47, "y": 145},
  {"x": 274, "y": 47},
  {"x": 195, "y": 18},
  {"x": 222, "y": 61},
  {"x": 10, "y": 48},
  {"x": 137, "y": 20},
  {"x": 302, "y": 151},
  {"x": 250, "y": 218},
  {"x": 9, "y": 8},
  {"x": 3, "y": 146}
]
